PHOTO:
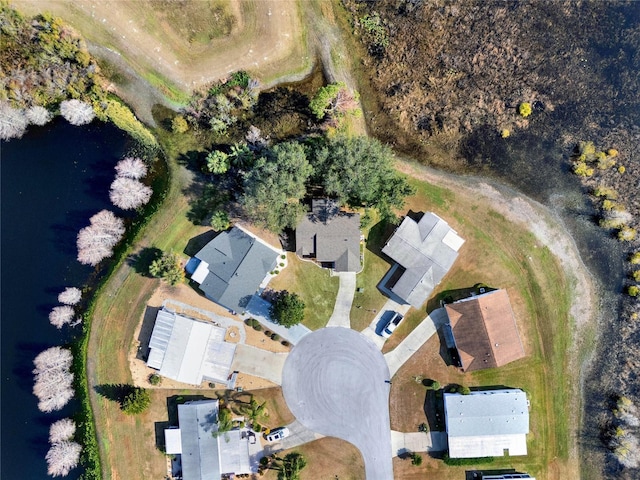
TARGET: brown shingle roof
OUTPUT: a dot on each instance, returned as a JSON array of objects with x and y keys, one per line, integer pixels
[{"x": 485, "y": 331}]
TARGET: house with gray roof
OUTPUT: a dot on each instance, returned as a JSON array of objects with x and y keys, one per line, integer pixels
[
  {"x": 423, "y": 253},
  {"x": 206, "y": 454},
  {"x": 188, "y": 350},
  {"x": 488, "y": 423},
  {"x": 330, "y": 236},
  {"x": 230, "y": 268}
]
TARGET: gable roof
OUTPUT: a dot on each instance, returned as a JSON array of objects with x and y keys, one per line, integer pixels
[
  {"x": 237, "y": 263},
  {"x": 484, "y": 331},
  {"x": 189, "y": 350},
  {"x": 200, "y": 453},
  {"x": 331, "y": 236},
  {"x": 426, "y": 250},
  {"x": 486, "y": 423}
]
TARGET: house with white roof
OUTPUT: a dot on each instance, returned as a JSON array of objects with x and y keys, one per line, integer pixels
[
  {"x": 188, "y": 350},
  {"x": 490, "y": 423},
  {"x": 206, "y": 454}
]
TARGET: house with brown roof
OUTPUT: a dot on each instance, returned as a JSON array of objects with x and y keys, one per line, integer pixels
[
  {"x": 330, "y": 236},
  {"x": 482, "y": 330}
]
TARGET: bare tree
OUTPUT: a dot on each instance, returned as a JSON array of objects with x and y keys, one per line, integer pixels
[
  {"x": 255, "y": 139},
  {"x": 70, "y": 296},
  {"x": 96, "y": 242},
  {"x": 38, "y": 115},
  {"x": 53, "y": 380},
  {"x": 77, "y": 112},
  {"x": 131, "y": 167},
  {"x": 61, "y": 316},
  {"x": 62, "y": 457},
  {"x": 62, "y": 430},
  {"x": 13, "y": 122},
  {"x": 128, "y": 193}
]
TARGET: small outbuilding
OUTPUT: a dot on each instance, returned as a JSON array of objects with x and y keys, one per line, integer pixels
[
  {"x": 330, "y": 236},
  {"x": 189, "y": 350},
  {"x": 482, "y": 329},
  {"x": 424, "y": 251},
  {"x": 490, "y": 423},
  {"x": 231, "y": 267}
]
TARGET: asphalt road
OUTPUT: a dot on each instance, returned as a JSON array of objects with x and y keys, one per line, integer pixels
[{"x": 334, "y": 382}]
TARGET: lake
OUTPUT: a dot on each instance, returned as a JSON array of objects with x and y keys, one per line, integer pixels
[{"x": 53, "y": 180}]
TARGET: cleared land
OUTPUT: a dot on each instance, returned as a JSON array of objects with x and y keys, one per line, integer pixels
[{"x": 198, "y": 42}]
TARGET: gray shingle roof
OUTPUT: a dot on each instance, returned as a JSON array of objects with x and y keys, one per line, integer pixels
[
  {"x": 330, "y": 236},
  {"x": 426, "y": 250},
  {"x": 493, "y": 412},
  {"x": 237, "y": 263}
]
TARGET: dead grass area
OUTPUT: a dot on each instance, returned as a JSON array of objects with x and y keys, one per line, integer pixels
[
  {"x": 327, "y": 459},
  {"x": 206, "y": 41}
]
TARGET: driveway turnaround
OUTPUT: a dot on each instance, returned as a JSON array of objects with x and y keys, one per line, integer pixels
[
  {"x": 335, "y": 383},
  {"x": 259, "y": 363},
  {"x": 342, "y": 308}
]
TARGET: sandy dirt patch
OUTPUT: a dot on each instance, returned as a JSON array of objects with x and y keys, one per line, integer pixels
[{"x": 236, "y": 333}]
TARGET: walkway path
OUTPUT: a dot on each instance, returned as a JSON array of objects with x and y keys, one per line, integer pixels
[
  {"x": 335, "y": 383},
  {"x": 259, "y": 363},
  {"x": 418, "y": 442},
  {"x": 342, "y": 308},
  {"x": 418, "y": 337}
]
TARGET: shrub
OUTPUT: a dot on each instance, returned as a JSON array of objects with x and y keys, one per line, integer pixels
[
  {"x": 220, "y": 221},
  {"x": 627, "y": 234},
  {"x": 416, "y": 459},
  {"x": 466, "y": 461},
  {"x": 633, "y": 290},
  {"x": 524, "y": 109},
  {"x": 137, "y": 401},
  {"x": 285, "y": 343},
  {"x": 275, "y": 337},
  {"x": 124, "y": 119},
  {"x": 155, "y": 379},
  {"x": 267, "y": 333},
  {"x": 505, "y": 133},
  {"x": 606, "y": 192},
  {"x": 581, "y": 169},
  {"x": 281, "y": 264},
  {"x": 179, "y": 124},
  {"x": 283, "y": 256},
  {"x": 635, "y": 258},
  {"x": 636, "y": 275},
  {"x": 257, "y": 327},
  {"x": 464, "y": 390},
  {"x": 612, "y": 152}
]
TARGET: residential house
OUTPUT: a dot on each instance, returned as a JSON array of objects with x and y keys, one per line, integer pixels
[
  {"x": 488, "y": 423},
  {"x": 188, "y": 350},
  {"x": 423, "y": 252},
  {"x": 482, "y": 330},
  {"x": 330, "y": 236},
  {"x": 206, "y": 454},
  {"x": 231, "y": 267}
]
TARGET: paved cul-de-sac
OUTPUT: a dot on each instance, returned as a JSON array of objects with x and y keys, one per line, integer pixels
[{"x": 335, "y": 382}]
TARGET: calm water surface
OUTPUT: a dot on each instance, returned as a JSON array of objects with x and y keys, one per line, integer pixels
[{"x": 53, "y": 180}]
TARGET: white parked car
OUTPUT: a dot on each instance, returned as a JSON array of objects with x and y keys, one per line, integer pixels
[
  {"x": 277, "y": 434},
  {"x": 395, "y": 320}
]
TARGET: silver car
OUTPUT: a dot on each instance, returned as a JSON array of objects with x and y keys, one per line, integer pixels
[{"x": 277, "y": 434}]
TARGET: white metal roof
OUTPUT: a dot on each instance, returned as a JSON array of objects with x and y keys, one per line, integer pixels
[
  {"x": 234, "y": 452},
  {"x": 487, "y": 446},
  {"x": 189, "y": 350},
  {"x": 172, "y": 441},
  {"x": 202, "y": 270}
]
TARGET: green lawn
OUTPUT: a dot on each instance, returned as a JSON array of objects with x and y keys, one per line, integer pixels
[{"x": 314, "y": 285}]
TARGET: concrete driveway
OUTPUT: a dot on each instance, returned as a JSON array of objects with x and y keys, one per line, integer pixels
[
  {"x": 375, "y": 327},
  {"x": 418, "y": 337},
  {"x": 334, "y": 382},
  {"x": 342, "y": 308},
  {"x": 259, "y": 363},
  {"x": 298, "y": 435},
  {"x": 418, "y": 442}
]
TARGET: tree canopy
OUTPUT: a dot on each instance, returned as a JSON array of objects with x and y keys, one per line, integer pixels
[
  {"x": 359, "y": 170},
  {"x": 276, "y": 184},
  {"x": 167, "y": 267},
  {"x": 287, "y": 309}
]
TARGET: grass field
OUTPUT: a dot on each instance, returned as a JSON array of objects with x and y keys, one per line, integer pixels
[{"x": 313, "y": 284}]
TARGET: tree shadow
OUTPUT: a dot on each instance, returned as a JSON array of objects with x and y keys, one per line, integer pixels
[
  {"x": 453, "y": 295},
  {"x": 116, "y": 392},
  {"x": 192, "y": 160},
  {"x": 377, "y": 237},
  {"x": 141, "y": 261},
  {"x": 195, "y": 244},
  {"x": 146, "y": 329}
]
